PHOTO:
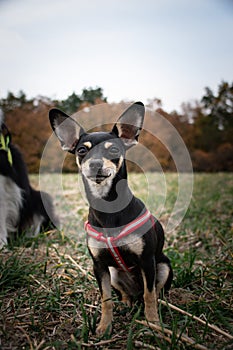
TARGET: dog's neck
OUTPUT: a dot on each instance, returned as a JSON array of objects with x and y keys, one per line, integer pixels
[{"x": 117, "y": 207}]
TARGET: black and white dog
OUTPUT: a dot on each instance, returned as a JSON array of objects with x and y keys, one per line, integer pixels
[
  {"x": 124, "y": 239},
  {"x": 22, "y": 209}
]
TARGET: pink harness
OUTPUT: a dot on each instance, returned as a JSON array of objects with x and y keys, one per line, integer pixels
[{"x": 111, "y": 241}]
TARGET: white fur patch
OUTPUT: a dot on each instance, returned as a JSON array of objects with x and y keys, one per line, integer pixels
[
  {"x": 162, "y": 275},
  {"x": 10, "y": 204},
  {"x": 108, "y": 145},
  {"x": 100, "y": 190},
  {"x": 95, "y": 246},
  {"x": 134, "y": 244}
]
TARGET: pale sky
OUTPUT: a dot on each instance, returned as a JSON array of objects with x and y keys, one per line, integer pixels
[{"x": 134, "y": 50}]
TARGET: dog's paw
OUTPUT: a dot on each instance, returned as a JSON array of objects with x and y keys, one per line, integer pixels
[
  {"x": 104, "y": 329},
  {"x": 152, "y": 315},
  {"x": 154, "y": 321}
]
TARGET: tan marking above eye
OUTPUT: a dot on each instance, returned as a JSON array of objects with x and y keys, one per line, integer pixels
[
  {"x": 108, "y": 144},
  {"x": 88, "y": 144}
]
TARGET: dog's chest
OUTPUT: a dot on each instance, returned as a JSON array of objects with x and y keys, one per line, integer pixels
[{"x": 131, "y": 243}]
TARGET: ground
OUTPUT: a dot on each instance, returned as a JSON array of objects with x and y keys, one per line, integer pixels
[{"x": 49, "y": 298}]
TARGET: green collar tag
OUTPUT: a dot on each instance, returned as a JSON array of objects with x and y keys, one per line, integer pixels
[{"x": 4, "y": 146}]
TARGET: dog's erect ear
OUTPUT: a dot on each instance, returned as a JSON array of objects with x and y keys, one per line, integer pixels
[
  {"x": 129, "y": 124},
  {"x": 66, "y": 129}
]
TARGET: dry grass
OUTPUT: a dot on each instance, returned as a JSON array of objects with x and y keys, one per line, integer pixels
[{"x": 49, "y": 298}]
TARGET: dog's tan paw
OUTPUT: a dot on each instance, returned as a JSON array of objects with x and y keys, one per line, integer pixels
[
  {"x": 152, "y": 315},
  {"x": 104, "y": 328},
  {"x": 154, "y": 321}
]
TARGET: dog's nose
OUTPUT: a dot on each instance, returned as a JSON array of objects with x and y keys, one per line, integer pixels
[{"x": 96, "y": 164}]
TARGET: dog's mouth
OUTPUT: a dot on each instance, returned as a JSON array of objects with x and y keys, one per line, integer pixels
[{"x": 99, "y": 177}]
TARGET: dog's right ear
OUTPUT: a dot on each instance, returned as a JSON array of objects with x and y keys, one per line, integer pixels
[{"x": 66, "y": 129}]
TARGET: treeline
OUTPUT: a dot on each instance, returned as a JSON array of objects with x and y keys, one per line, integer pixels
[{"x": 206, "y": 127}]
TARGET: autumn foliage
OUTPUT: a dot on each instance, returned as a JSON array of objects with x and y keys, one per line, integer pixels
[{"x": 206, "y": 128}]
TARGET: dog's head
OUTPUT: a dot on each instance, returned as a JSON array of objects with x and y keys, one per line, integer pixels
[{"x": 99, "y": 155}]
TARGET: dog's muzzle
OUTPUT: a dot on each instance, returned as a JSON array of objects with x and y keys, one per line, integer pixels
[{"x": 97, "y": 171}]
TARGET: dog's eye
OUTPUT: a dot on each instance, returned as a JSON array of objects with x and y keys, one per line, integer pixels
[
  {"x": 114, "y": 151},
  {"x": 82, "y": 151}
]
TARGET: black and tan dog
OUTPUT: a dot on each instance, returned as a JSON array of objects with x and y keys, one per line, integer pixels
[{"x": 125, "y": 241}]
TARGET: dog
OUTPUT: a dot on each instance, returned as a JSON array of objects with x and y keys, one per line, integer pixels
[
  {"x": 124, "y": 240},
  {"x": 22, "y": 210}
]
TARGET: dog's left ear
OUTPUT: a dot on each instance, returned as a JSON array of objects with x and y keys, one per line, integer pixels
[
  {"x": 129, "y": 124},
  {"x": 67, "y": 130}
]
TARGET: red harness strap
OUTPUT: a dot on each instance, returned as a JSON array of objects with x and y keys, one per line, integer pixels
[{"x": 111, "y": 241}]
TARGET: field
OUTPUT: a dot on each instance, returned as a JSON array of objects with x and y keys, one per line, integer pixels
[{"x": 49, "y": 298}]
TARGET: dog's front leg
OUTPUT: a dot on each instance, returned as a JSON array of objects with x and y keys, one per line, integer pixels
[
  {"x": 104, "y": 282},
  {"x": 150, "y": 296}
]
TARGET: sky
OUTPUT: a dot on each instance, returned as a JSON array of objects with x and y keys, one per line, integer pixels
[{"x": 132, "y": 49}]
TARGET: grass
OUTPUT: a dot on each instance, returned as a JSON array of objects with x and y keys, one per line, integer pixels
[{"x": 50, "y": 300}]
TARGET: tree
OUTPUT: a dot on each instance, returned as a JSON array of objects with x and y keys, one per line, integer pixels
[
  {"x": 206, "y": 127},
  {"x": 75, "y": 102},
  {"x": 93, "y": 95},
  {"x": 71, "y": 104},
  {"x": 219, "y": 109},
  {"x": 13, "y": 101}
]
